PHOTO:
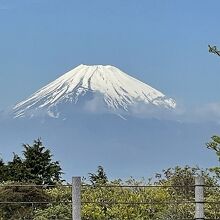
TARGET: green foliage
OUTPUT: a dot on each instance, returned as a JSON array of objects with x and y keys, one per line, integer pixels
[
  {"x": 39, "y": 166},
  {"x": 212, "y": 209},
  {"x": 127, "y": 201},
  {"x": 214, "y": 49},
  {"x": 15, "y": 197},
  {"x": 99, "y": 177},
  {"x": 16, "y": 169},
  {"x": 123, "y": 202},
  {"x": 214, "y": 145},
  {"x": 3, "y": 171},
  {"x": 36, "y": 166},
  {"x": 59, "y": 210},
  {"x": 181, "y": 179}
]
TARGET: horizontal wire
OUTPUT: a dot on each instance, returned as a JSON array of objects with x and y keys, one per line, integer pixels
[
  {"x": 43, "y": 202},
  {"x": 135, "y": 203},
  {"x": 43, "y": 186},
  {"x": 149, "y": 203},
  {"x": 109, "y": 202},
  {"x": 113, "y": 186},
  {"x": 147, "y": 186}
]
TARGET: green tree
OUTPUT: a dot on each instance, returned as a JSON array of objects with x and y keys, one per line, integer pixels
[
  {"x": 40, "y": 168},
  {"x": 36, "y": 166},
  {"x": 16, "y": 170},
  {"x": 3, "y": 171},
  {"x": 19, "y": 196},
  {"x": 214, "y": 49},
  {"x": 16, "y": 200},
  {"x": 99, "y": 177},
  {"x": 214, "y": 145},
  {"x": 61, "y": 209}
]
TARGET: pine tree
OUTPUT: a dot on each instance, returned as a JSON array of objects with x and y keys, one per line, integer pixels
[
  {"x": 15, "y": 169},
  {"x": 99, "y": 177},
  {"x": 3, "y": 171},
  {"x": 36, "y": 166},
  {"x": 39, "y": 166}
]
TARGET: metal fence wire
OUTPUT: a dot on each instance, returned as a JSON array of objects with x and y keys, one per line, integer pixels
[{"x": 115, "y": 200}]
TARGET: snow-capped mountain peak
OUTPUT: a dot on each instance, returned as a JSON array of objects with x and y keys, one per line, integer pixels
[{"x": 117, "y": 90}]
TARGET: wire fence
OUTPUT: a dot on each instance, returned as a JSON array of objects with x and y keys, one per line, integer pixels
[{"x": 188, "y": 202}]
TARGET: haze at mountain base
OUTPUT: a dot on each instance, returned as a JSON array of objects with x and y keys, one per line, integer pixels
[{"x": 133, "y": 147}]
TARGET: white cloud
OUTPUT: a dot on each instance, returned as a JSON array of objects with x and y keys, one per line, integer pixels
[
  {"x": 95, "y": 105},
  {"x": 210, "y": 112},
  {"x": 201, "y": 113}
]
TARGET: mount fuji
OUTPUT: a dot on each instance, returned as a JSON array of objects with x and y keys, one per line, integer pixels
[
  {"x": 91, "y": 98},
  {"x": 92, "y": 88}
]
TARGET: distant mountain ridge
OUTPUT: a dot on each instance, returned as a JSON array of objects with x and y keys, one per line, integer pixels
[{"x": 108, "y": 85}]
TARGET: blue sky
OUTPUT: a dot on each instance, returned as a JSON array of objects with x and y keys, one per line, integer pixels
[{"x": 163, "y": 43}]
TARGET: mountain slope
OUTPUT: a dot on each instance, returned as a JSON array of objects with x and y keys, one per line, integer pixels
[{"x": 116, "y": 89}]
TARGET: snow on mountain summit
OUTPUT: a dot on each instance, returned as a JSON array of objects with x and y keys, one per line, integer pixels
[{"x": 117, "y": 89}]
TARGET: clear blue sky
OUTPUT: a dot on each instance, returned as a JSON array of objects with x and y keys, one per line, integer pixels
[{"x": 163, "y": 43}]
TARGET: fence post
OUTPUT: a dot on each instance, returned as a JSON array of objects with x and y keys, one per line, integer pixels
[
  {"x": 76, "y": 198},
  {"x": 199, "y": 198}
]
